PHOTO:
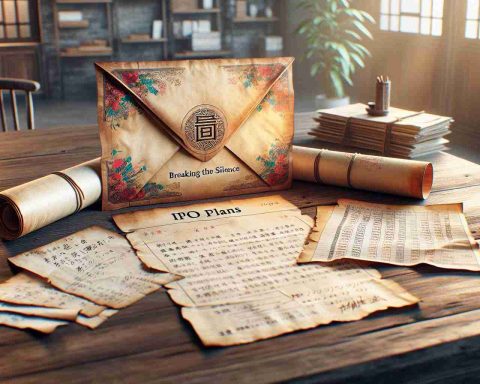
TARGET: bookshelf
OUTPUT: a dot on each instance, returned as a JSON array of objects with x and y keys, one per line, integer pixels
[
  {"x": 121, "y": 30},
  {"x": 131, "y": 37},
  {"x": 186, "y": 15},
  {"x": 252, "y": 27},
  {"x": 86, "y": 48}
]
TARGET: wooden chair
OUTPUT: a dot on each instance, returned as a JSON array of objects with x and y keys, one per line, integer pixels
[{"x": 13, "y": 85}]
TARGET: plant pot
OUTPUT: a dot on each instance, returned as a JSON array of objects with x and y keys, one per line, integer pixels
[{"x": 324, "y": 102}]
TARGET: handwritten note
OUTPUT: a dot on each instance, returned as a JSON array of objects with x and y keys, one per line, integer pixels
[
  {"x": 26, "y": 289},
  {"x": 395, "y": 234},
  {"x": 51, "y": 313},
  {"x": 241, "y": 282},
  {"x": 96, "y": 264},
  {"x": 26, "y": 294},
  {"x": 95, "y": 321},
  {"x": 36, "y": 323}
]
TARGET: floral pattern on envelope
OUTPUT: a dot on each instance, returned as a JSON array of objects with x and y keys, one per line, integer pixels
[{"x": 186, "y": 130}]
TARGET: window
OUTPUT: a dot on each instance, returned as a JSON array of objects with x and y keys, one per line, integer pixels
[
  {"x": 412, "y": 16},
  {"x": 473, "y": 16},
  {"x": 19, "y": 21}
]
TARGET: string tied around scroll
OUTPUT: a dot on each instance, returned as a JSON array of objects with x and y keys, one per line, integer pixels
[
  {"x": 79, "y": 195},
  {"x": 316, "y": 168}
]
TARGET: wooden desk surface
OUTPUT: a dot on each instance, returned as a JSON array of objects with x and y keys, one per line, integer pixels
[{"x": 149, "y": 342}]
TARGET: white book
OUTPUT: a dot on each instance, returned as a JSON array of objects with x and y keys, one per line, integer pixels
[
  {"x": 70, "y": 16},
  {"x": 206, "y": 41},
  {"x": 273, "y": 43},
  {"x": 207, "y": 4},
  {"x": 204, "y": 26},
  {"x": 187, "y": 28},
  {"x": 177, "y": 29},
  {"x": 157, "y": 29}
]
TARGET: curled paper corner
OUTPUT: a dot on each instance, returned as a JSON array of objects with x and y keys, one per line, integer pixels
[{"x": 322, "y": 215}]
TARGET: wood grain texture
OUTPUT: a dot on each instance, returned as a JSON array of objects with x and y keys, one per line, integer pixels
[{"x": 149, "y": 342}]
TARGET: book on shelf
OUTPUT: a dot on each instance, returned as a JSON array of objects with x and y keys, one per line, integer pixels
[
  {"x": 184, "y": 5},
  {"x": 206, "y": 41},
  {"x": 157, "y": 29},
  {"x": 70, "y": 16},
  {"x": 241, "y": 9},
  {"x": 138, "y": 37},
  {"x": 207, "y": 4}
]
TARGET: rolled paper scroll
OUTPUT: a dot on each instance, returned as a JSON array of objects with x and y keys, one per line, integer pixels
[
  {"x": 371, "y": 173},
  {"x": 33, "y": 205}
]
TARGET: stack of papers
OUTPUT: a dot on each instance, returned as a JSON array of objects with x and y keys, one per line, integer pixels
[
  {"x": 83, "y": 278},
  {"x": 401, "y": 133}
]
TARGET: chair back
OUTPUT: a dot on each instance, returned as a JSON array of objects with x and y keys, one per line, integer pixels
[{"x": 12, "y": 86}]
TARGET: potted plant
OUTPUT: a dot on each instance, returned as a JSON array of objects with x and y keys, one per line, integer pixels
[{"x": 334, "y": 32}]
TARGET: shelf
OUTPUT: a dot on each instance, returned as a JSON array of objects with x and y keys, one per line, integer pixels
[
  {"x": 78, "y": 53},
  {"x": 198, "y": 54},
  {"x": 83, "y": 1},
  {"x": 142, "y": 41},
  {"x": 20, "y": 44},
  {"x": 255, "y": 20},
  {"x": 73, "y": 24},
  {"x": 196, "y": 11}
]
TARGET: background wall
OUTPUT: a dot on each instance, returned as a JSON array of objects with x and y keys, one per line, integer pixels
[{"x": 243, "y": 40}]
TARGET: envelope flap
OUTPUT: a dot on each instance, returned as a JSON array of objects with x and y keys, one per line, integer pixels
[{"x": 200, "y": 103}]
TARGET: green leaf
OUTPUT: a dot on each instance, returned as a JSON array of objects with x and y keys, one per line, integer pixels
[
  {"x": 315, "y": 69},
  {"x": 353, "y": 34},
  {"x": 355, "y": 13},
  {"x": 362, "y": 29},
  {"x": 358, "y": 60},
  {"x": 343, "y": 52},
  {"x": 336, "y": 83},
  {"x": 367, "y": 16},
  {"x": 347, "y": 79},
  {"x": 359, "y": 48}
]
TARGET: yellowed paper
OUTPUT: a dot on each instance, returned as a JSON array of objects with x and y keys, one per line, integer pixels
[
  {"x": 36, "y": 323},
  {"x": 26, "y": 289},
  {"x": 400, "y": 235},
  {"x": 50, "y": 313},
  {"x": 372, "y": 173},
  {"x": 224, "y": 127},
  {"x": 96, "y": 264},
  {"x": 300, "y": 306},
  {"x": 240, "y": 280},
  {"x": 33, "y": 205},
  {"x": 96, "y": 321},
  {"x": 401, "y": 133}
]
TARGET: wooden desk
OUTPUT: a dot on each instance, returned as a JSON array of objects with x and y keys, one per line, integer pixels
[{"x": 149, "y": 342}]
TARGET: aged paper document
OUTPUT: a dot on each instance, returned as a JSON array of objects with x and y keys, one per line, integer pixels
[
  {"x": 96, "y": 264},
  {"x": 394, "y": 234},
  {"x": 51, "y": 313},
  {"x": 36, "y": 323},
  {"x": 28, "y": 290},
  {"x": 27, "y": 294},
  {"x": 95, "y": 321},
  {"x": 241, "y": 282}
]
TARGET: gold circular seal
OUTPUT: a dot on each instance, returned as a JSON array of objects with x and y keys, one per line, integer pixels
[{"x": 204, "y": 127}]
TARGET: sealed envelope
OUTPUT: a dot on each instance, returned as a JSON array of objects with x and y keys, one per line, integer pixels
[{"x": 185, "y": 130}]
